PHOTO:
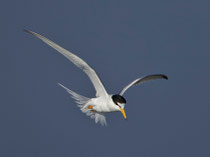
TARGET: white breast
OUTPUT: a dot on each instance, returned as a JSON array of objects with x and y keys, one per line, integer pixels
[{"x": 102, "y": 104}]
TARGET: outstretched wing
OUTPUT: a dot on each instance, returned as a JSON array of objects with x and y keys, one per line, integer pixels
[
  {"x": 100, "y": 90},
  {"x": 143, "y": 79}
]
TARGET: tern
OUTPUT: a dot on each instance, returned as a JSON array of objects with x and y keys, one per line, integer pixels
[{"x": 103, "y": 102}]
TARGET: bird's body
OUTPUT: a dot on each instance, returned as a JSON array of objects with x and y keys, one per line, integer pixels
[{"x": 103, "y": 102}]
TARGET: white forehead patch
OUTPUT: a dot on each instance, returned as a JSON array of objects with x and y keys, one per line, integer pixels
[{"x": 121, "y": 105}]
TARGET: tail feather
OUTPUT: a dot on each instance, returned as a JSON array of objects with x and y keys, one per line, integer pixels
[
  {"x": 79, "y": 98},
  {"x": 83, "y": 103}
]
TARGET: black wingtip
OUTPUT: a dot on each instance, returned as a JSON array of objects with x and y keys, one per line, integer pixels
[
  {"x": 27, "y": 31},
  {"x": 165, "y": 77}
]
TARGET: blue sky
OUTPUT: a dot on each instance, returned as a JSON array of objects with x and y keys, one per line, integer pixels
[{"x": 121, "y": 40}]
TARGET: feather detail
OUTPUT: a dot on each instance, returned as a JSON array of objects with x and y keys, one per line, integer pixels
[{"x": 83, "y": 103}]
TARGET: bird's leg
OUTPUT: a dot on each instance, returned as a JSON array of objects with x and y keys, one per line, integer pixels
[{"x": 90, "y": 107}]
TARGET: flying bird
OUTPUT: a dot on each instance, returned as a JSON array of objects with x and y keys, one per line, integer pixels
[{"x": 103, "y": 102}]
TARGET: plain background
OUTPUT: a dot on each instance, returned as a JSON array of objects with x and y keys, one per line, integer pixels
[{"x": 122, "y": 40}]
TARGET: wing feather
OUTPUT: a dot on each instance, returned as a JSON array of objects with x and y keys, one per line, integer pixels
[
  {"x": 142, "y": 80},
  {"x": 100, "y": 90}
]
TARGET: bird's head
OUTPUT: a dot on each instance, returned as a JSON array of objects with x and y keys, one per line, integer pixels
[{"x": 120, "y": 102}]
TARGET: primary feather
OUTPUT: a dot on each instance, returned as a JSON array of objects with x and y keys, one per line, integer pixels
[
  {"x": 100, "y": 90},
  {"x": 143, "y": 79}
]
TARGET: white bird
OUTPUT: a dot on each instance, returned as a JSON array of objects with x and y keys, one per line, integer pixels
[{"x": 103, "y": 102}]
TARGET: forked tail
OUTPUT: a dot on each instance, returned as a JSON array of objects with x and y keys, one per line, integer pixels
[
  {"x": 83, "y": 103},
  {"x": 80, "y": 100}
]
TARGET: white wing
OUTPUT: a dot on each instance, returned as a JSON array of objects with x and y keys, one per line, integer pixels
[
  {"x": 100, "y": 90},
  {"x": 143, "y": 79}
]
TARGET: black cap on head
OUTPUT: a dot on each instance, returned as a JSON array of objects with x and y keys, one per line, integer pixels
[{"x": 118, "y": 99}]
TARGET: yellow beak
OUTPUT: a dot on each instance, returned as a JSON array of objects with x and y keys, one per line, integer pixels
[{"x": 123, "y": 112}]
